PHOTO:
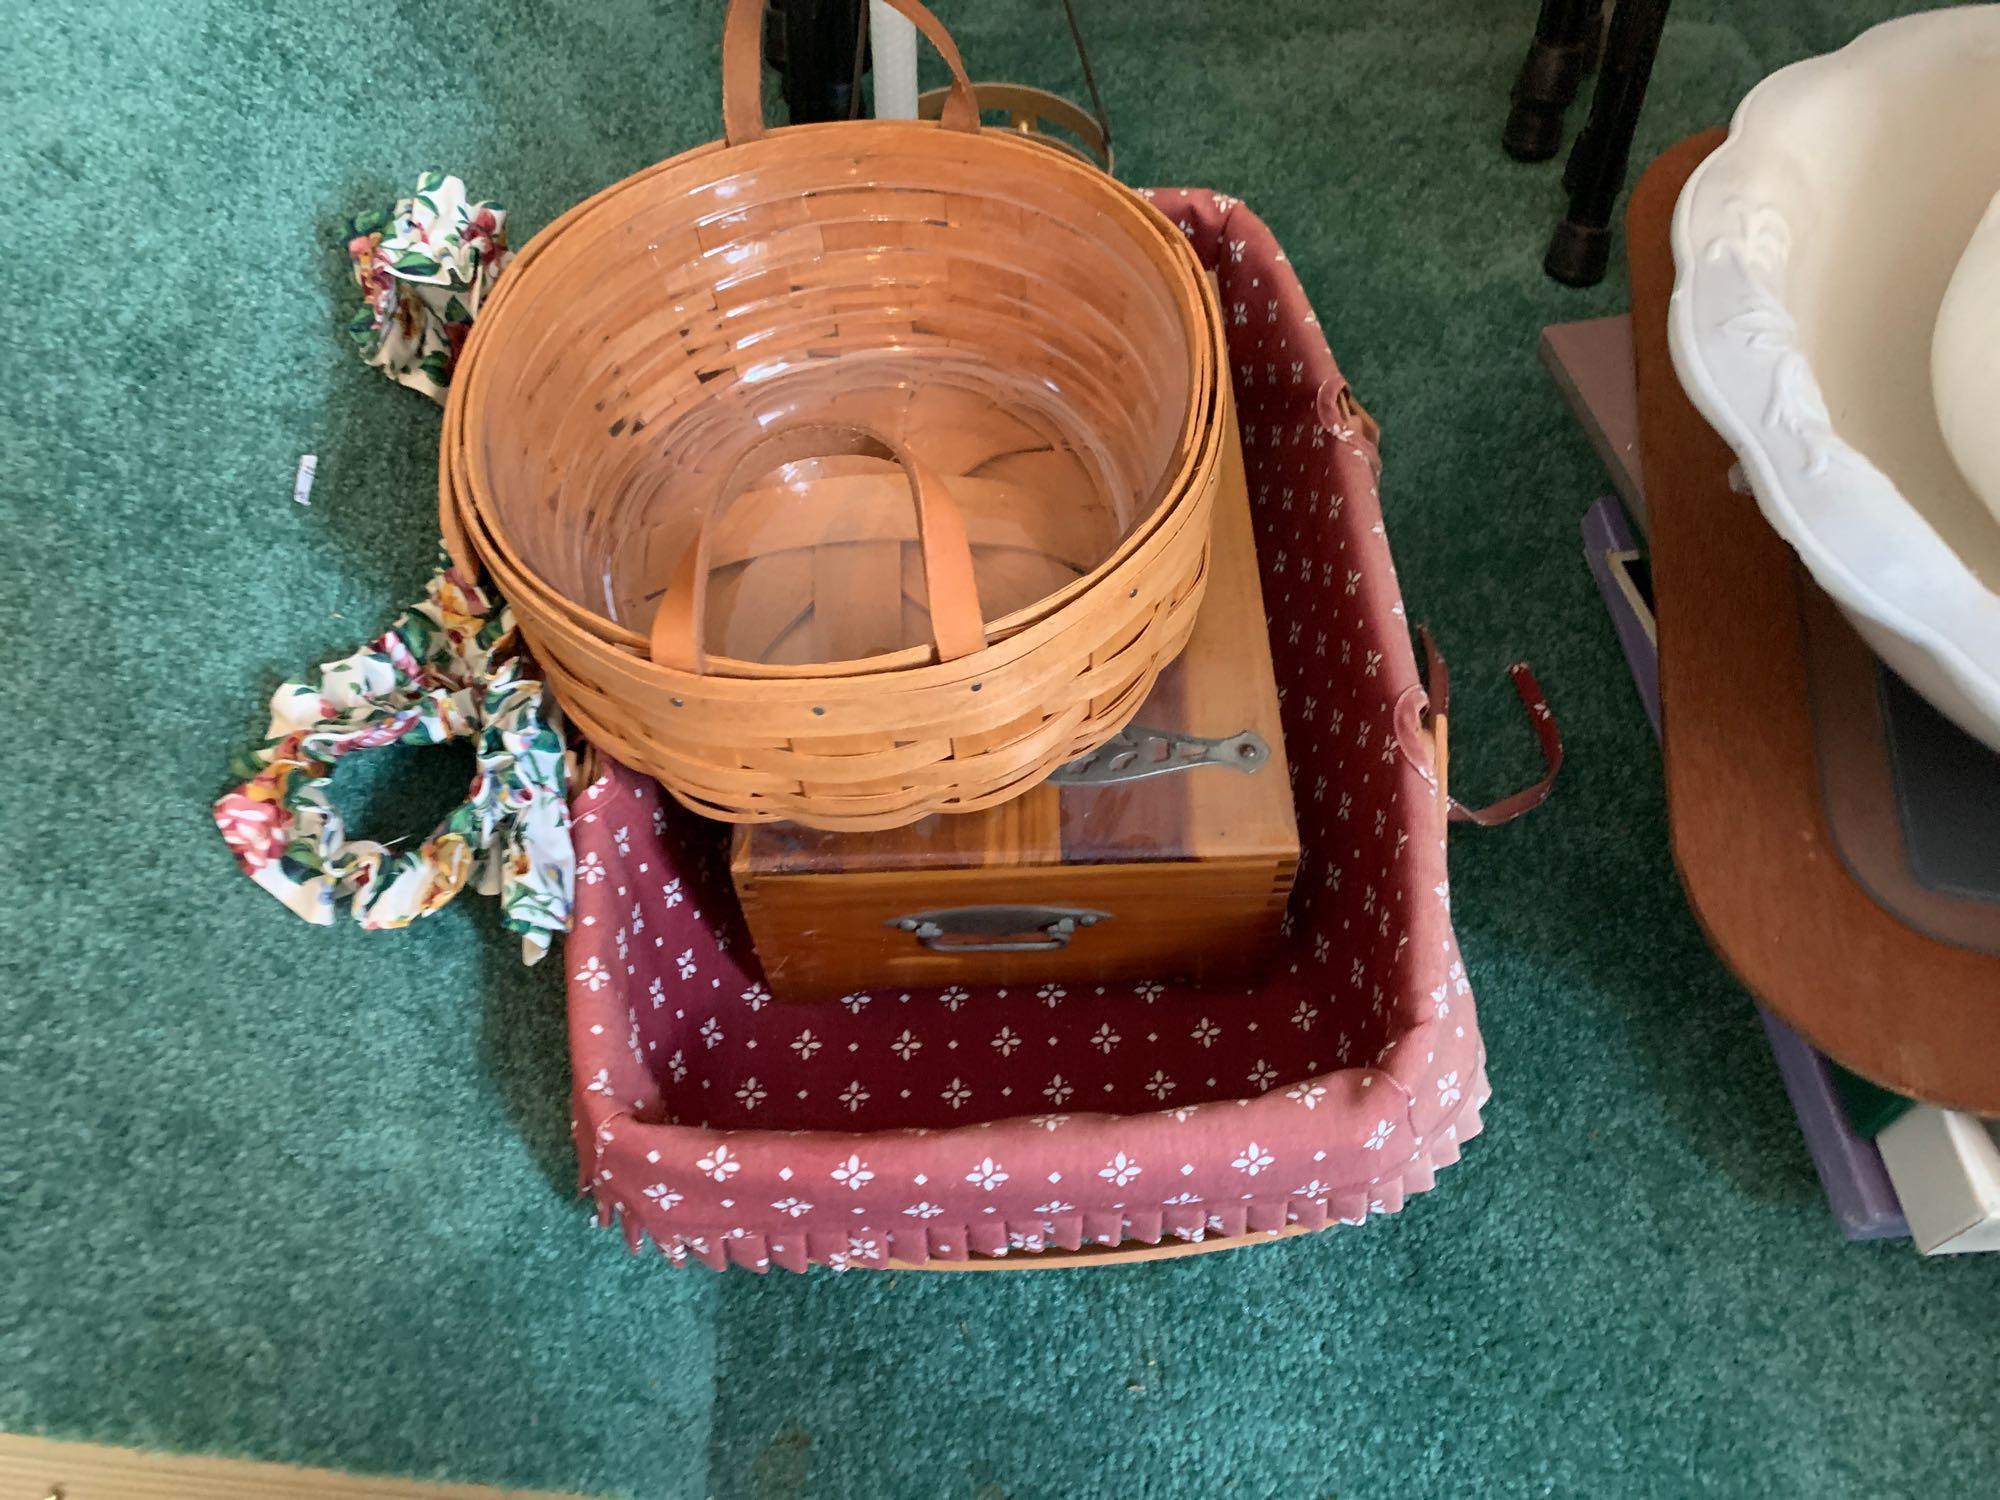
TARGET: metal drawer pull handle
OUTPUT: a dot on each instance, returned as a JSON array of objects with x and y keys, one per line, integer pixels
[
  {"x": 997, "y": 929},
  {"x": 1137, "y": 751}
]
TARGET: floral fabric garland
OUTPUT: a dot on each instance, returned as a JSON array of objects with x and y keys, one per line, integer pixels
[
  {"x": 423, "y": 269},
  {"x": 447, "y": 669}
]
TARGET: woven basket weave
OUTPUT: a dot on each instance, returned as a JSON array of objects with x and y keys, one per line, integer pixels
[{"x": 747, "y": 438}]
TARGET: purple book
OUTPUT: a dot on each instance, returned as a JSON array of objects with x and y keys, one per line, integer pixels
[{"x": 1850, "y": 1168}]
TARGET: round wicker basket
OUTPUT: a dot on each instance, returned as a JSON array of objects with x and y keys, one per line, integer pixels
[{"x": 845, "y": 473}]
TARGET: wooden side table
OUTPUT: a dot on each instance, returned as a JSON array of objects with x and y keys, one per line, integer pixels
[{"x": 1917, "y": 1015}]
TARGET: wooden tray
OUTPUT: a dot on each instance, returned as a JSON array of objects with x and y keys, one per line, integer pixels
[{"x": 1914, "y": 1014}]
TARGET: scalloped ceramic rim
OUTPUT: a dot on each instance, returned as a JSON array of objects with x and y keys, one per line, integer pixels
[{"x": 1739, "y": 357}]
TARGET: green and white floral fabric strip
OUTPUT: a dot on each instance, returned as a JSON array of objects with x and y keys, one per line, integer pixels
[
  {"x": 448, "y": 669},
  {"x": 423, "y": 269}
]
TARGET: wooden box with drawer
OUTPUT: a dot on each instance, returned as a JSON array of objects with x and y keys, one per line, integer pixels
[{"x": 1096, "y": 875}]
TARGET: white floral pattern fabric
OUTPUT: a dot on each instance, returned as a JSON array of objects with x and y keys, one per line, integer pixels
[
  {"x": 448, "y": 668},
  {"x": 423, "y": 269}
]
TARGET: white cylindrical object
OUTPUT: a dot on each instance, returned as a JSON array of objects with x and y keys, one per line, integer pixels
[{"x": 892, "y": 50}]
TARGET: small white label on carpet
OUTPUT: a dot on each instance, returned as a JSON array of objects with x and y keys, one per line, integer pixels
[{"x": 302, "y": 486}]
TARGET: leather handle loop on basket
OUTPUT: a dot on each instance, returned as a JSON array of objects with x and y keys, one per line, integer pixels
[
  {"x": 958, "y": 624},
  {"x": 1433, "y": 702},
  {"x": 743, "y": 70}
]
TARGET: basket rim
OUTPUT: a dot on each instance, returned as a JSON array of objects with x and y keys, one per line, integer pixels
[{"x": 1010, "y": 638}]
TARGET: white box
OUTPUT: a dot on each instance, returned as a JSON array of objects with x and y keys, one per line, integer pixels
[{"x": 1946, "y": 1168}]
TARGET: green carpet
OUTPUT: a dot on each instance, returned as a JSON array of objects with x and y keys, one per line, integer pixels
[{"x": 304, "y": 1194}]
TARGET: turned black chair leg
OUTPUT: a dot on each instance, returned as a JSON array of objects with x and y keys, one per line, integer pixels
[
  {"x": 819, "y": 41},
  {"x": 1562, "y": 52},
  {"x": 1580, "y": 249}
]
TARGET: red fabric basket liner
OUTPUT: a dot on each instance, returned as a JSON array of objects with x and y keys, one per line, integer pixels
[{"x": 728, "y": 1129}]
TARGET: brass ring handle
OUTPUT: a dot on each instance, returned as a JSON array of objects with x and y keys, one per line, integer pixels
[{"x": 1029, "y": 108}]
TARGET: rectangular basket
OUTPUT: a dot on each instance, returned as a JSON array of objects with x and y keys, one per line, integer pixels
[{"x": 897, "y": 1126}]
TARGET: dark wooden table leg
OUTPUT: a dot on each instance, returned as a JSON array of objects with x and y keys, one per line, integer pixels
[
  {"x": 1581, "y": 246},
  {"x": 1563, "y": 50},
  {"x": 821, "y": 42}
]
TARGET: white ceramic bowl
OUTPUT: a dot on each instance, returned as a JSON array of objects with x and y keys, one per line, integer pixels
[{"x": 1811, "y": 251}]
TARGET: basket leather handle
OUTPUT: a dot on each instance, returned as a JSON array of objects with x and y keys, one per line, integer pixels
[
  {"x": 958, "y": 624},
  {"x": 743, "y": 70}
]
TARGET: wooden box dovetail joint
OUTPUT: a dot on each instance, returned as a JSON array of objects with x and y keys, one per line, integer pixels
[{"x": 1089, "y": 878}]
